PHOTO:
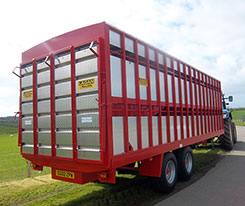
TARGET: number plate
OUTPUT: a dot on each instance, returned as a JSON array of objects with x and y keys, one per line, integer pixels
[{"x": 66, "y": 174}]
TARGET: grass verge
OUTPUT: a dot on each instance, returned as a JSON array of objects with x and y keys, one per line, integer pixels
[{"x": 129, "y": 189}]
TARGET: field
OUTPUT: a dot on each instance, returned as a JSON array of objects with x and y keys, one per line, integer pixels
[
  {"x": 237, "y": 116},
  {"x": 40, "y": 189}
]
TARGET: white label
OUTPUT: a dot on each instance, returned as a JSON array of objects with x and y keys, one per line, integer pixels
[
  {"x": 181, "y": 145},
  {"x": 86, "y": 120},
  {"x": 27, "y": 122}
]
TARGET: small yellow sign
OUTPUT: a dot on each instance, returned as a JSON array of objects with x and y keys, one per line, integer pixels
[
  {"x": 66, "y": 174},
  {"x": 143, "y": 82},
  {"x": 27, "y": 94},
  {"x": 86, "y": 83}
]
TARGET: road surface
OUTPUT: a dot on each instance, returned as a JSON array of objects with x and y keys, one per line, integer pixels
[{"x": 223, "y": 185}]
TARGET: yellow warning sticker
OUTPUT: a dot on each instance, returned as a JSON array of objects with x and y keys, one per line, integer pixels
[
  {"x": 27, "y": 94},
  {"x": 66, "y": 174},
  {"x": 86, "y": 83},
  {"x": 143, "y": 82}
]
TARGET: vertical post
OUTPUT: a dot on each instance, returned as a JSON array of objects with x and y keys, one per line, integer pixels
[
  {"x": 124, "y": 90},
  {"x": 28, "y": 168},
  {"x": 34, "y": 103},
  {"x": 137, "y": 87},
  {"x": 73, "y": 103},
  {"x": 167, "y": 98}
]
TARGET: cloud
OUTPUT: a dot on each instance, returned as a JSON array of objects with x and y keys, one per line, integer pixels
[{"x": 209, "y": 35}]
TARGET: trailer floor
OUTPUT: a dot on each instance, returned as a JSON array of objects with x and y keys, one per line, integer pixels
[{"x": 223, "y": 185}]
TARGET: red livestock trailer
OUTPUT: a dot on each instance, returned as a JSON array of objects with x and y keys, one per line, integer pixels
[{"x": 96, "y": 100}]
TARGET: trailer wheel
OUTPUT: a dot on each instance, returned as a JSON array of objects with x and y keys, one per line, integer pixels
[
  {"x": 185, "y": 162},
  {"x": 234, "y": 133},
  {"x": 227, "y": 137},
  {"x": 167, "y": 181}
]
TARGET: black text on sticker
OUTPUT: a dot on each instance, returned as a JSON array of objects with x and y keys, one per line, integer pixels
[{"x": 86, "y": 83}]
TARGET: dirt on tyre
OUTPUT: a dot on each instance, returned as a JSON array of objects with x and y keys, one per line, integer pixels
[
  {"x": 234, "y": 133},
  {"x": 227, "y": 141},
  {"x": 169, "y": 174},
  {"x": 185, "y": 163}
]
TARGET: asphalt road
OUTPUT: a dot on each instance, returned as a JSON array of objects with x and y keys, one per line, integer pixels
[{"x": 223, "y": 185}]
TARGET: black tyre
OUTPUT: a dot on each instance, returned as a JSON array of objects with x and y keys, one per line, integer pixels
[
  {"x": 234, "y": 133},
  {"x": 167, "y": 181},
  {"x": 185, "y": 163},
  {"x": 227, "y": 138}
]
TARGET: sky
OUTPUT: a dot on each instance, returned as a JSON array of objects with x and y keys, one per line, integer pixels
[{"x": 207, "y": 34}]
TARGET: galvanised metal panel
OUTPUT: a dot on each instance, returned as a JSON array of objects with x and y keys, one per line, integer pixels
[
  {"x": 130, "y": 72},
  {"x": 27, "y": 122},
  {"x": 160, "y": 58},
  {"x": 63, "y": 89},
  {"x": 183, "y": 90},
  {"x": 170, "y": 88},
  {"x": 63, "y": 72},
  {"x": 177, "y": 90},
  {"x": 115, "y": 38},
  {"x": 116, "y": 76},
  {"x": 86, "y": 67},
  {"x": 43, "y": 122},
  {"x": 44, "y": 150},
  {"x": 64, "y": 138},
  {"x": 200, "y": 129},
  {"x": 27, "y": 108},
  {"x": 178, "y": 128},
  {"x": 63, "y": 105},
  {"x": 42, "y": 65},
  {"x": 62, "y": 58},
  {"x": 129, "y": 45},
  {"x": 88, "y": 154},
  {"x": 44, "y": 137},
  {"x": 43, "y": 77},
  {"x": 63, "y": 121},
  {"x": 164, "y": 130},
  {"x": 141, "y": 50},
  {"x": 195, "y": 125},
  {"x": 151, "y": 54},
  {"x": 144, "y": 132},
  {"x": 85, "y": 53},
  {"x": 188, "y": 92},
  {"x": 43, "y": 106},
  {"x": 193, "y": 94},
  {"x": 87, "y": 102},
  {"x": 153, "y": 84},
  {"x": 28, "y": 149},
  {"x": 132, "y": 132},
  {"x": 27, "y": 137},
  {"x": 190, "y": 126},
  {"x": 172, "y": 136},
  {"x": 64, "y": 152},
  {"x": 43, "y": 92},
  {"x": 118, "y": 135},
  {"x": 93, "y": 88},
  {"x": 162, "y": 86},
  {"x": 25, "y": 70},
  {"x": 88, "y": 139},
  {"x": 88, "y": 120},
  {"x": 184, "y": 126},
  {"x": 155, "y": 130},
  {"x": 143, "y": 88},
  {"x": 26, "y": 81}
]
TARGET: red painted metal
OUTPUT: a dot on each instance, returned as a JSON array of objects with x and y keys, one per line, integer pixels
[
  {"x": 151, "y": 157},
  {"x": 73, "y": 103},
  {"x": 34, "y": 93}
]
